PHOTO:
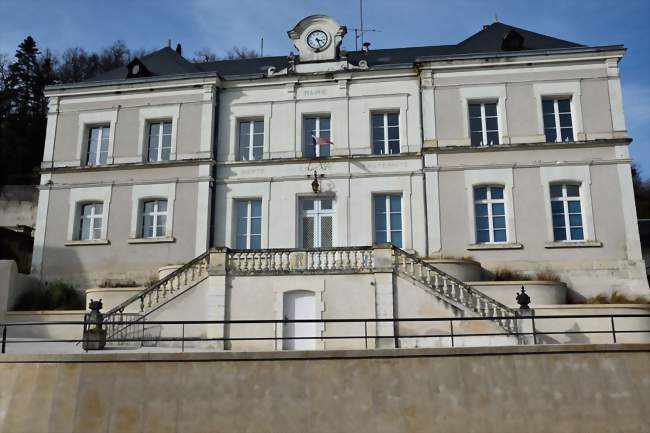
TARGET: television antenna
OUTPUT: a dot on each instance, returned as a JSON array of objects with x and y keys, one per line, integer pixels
[{"x": 358, "y": 33}]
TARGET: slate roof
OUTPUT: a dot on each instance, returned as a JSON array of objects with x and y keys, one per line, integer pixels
[{"x": 167, "y": 62}]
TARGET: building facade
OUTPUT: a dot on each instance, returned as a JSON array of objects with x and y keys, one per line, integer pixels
[{"x": 509, "y": 147}]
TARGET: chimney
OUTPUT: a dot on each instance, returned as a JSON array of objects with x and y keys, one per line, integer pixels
[
  {"x": 366, "y": 47},
  {"x": 179, "y": 49},
  {"x": 169, "y": 43}
]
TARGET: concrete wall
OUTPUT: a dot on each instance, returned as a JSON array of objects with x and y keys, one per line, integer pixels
[{"x": 542, "y": 389}]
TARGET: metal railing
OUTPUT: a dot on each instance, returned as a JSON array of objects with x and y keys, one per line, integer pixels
[{"x": 529, "y": 328}]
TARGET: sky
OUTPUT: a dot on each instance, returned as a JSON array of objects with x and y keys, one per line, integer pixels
[{"x": 219, "y": 25}]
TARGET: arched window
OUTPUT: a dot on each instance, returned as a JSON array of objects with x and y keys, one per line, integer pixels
[
  {"x": 566, "y": 211},
  {"x": 490, "y": 214}
]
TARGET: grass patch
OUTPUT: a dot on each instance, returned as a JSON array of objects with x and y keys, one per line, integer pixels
[
  {"x": 548, "y": 275},
  {"x": 108, "y": 283},
  {"x": 56, "y": 295},
  {"x": 505, "y": 274},
  {"x": 617, "y": 298}
]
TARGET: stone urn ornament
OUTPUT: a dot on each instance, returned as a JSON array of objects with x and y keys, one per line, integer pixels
[
  {"x": 523, "y": 299},
  {"x": 94, "y": 336}
]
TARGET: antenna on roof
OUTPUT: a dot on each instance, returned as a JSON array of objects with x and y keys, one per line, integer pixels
[
  {"x": 358, "y": 33},
  {"x": 262, "y": 47}
]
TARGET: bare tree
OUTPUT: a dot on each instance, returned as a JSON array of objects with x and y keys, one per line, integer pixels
[{"x": 235, "y": 53}]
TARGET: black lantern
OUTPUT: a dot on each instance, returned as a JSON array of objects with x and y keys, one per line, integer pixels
[{"x": 315, "y": 184}]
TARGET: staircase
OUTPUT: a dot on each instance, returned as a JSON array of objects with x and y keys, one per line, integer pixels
[
  {"x": 452, "y": 291},
  {"x": 464, "y": 300},
  {"x": 121, "y": 325}
]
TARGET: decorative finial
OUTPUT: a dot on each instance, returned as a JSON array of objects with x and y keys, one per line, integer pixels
[{"x": 523, "y": 299}]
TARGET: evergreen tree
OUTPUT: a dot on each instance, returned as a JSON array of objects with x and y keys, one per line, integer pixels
[{"x": 22, "y": 133}]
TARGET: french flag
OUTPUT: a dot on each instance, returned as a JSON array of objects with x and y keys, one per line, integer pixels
[{"x": 320, "y": 140}]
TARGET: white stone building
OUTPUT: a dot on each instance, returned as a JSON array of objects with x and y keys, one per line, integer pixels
[{"x": 509, "y": 147}]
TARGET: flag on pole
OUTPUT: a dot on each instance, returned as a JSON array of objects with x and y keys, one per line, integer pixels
[{"x": 320, "y": 140}]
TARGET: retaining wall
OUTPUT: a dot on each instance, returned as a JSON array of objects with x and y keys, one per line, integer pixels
[{"x": 572, "y": 388}]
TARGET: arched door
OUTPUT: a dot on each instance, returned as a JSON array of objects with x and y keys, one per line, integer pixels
[{"x": 299, "y": 305}]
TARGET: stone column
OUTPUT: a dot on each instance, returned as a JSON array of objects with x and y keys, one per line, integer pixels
[
  {"x": 384, "y": 295},
  {"x": 216, "y": 297},
  {"x": 525, "y": 324}
]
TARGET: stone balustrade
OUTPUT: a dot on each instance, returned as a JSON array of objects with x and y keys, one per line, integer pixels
[{"x": 277, "y": 261}]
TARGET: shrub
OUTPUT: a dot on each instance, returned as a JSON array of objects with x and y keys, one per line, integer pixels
[
  {"x": 617, "y": 298},
  {"x": 57, "y": 295},
  {"x": 505, "y": 274}
]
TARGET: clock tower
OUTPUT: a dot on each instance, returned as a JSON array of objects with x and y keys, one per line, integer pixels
[{"x": 317, "y": 38}]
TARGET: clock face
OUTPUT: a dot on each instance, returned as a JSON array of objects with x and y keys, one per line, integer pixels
[{"x": 317, "y": 39}]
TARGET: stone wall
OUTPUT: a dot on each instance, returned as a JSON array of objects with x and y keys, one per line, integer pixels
[{"x": 572, "y": 388}]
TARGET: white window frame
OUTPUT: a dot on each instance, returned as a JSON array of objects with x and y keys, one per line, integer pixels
[
  {"x": 92, "y": 220},
  {"x": 90, "y": 120},
  {"x": 316, "y": 213},
  {"x": 571, "y": 174},
  {"x": 389, "y": 211},
  {"x": 317, "y": 132},
  {"x": 489, "y": 201},
  {"x": 86, "y": 161},
  {"x": 151, "y": 115},
  {"x": 556, "y": 114},
  {"x": 159, "y": 145},
  {"x": 251, "y": 140},
  {"x": 156, "y": 214},
  {"x": 249, "y": 220},
  {"x": 560, "y": 90},
  {"x": 147, "y": 192},
  {"x": 490, "y": 93},
  {"x": 80, "y": 196},
  {"x": 564, "y": 199},
  {"x": 385, "y": 126},
  {"x": 495, "y": 176},
  {"x": 484, "y": 131}
]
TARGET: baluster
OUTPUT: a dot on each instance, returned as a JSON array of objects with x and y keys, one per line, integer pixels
[
  {"x": 164, "y": 290},
  {"x": 149, "y": 299}
]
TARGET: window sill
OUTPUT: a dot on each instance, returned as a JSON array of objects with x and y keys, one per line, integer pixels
[
  {"x": 495, "y": 246},
  {"x": 574, "y": 244},
  {"x": 82, "y": 243},
  {"x": 151, "y": 240}
]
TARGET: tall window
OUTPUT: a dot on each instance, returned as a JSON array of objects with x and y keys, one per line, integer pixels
[
  {"x": 567, "y": 213},
  {"x": 249, "y": 224},
  {"x": 317, "y": 222},
  {"x": 251, "y": 140},
  {"x": 558, "y": 125},
  {"x": 490, "y": 214},
  {"x": 90, "y": 221},
  {"x": 160, "y": 141},
  {"x": 385, "y": 133},
  {"x": 97, "y": 146},
  {"x": 388, "y": 219},
  {"x": 317, "y": 136},
  {"x": 154, "y": 218},
  {"x": 484, "y": 124}
]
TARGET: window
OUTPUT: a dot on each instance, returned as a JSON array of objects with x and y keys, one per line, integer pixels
[
  {"x": 558, "y": 125},
  {"x": 490, "y": 214},
  {"x": 385, "y": 133},
  {"x": 251, "y": 140},
  {"x": 154, "y": 218},
  {"x": 566, "y": 212},
  {"x": 160, "y": 141},
  {"x": 97, "y": 146},
  {"x": 317, "y": 136},
  {"x": 90, "y": 221},
  {"x": 249, "y": 224},
  {"x": 317, "y": 222},
  {"x": 483, "y": 124},
  {"x": 388, "y": 219}
]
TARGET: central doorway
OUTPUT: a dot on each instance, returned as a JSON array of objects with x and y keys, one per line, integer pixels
[{"x": 299, "y": 305}]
